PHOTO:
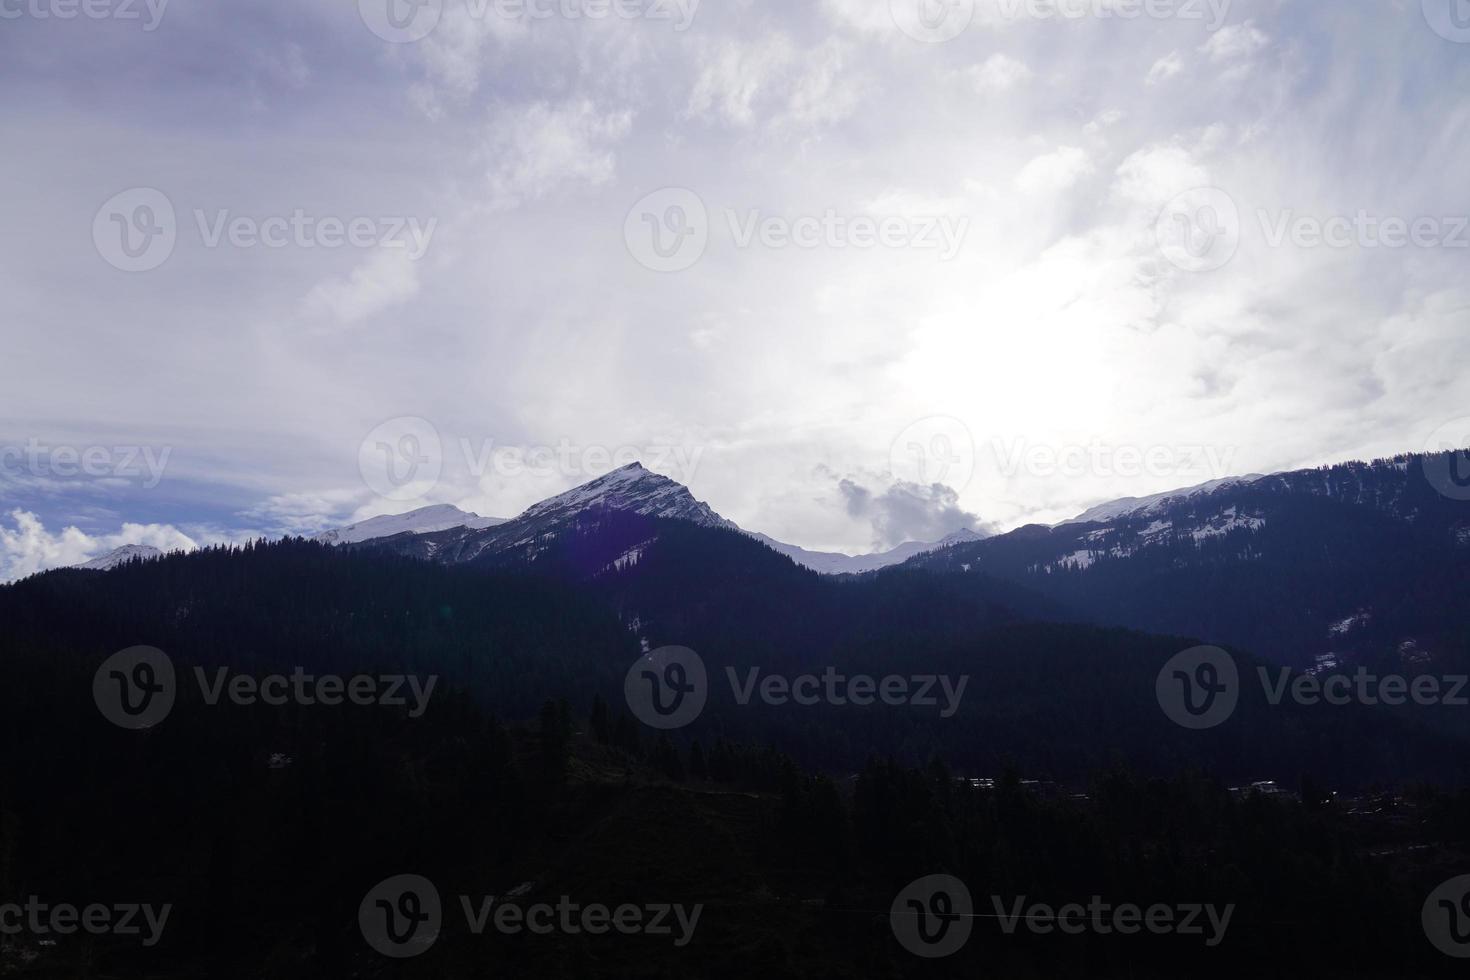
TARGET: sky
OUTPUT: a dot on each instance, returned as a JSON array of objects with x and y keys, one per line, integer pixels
[{"x": 856, "y": 272}]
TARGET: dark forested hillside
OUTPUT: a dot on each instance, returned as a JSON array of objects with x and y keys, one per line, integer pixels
[
  {"x": 1361, "y": 561},
  {"x": 1056, "y": 772}
]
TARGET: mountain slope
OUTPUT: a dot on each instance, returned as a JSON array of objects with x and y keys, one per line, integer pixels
[
  {"x": 833, "y": 563},
  {"x": 629, "y": 490},
  {"x": 439, "y": 517},
  {"x": 119, "y": 556},
  {"x": 1271, "y": 565}
]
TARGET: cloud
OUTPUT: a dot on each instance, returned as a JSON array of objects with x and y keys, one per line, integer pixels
[
  {"x": 1235, "y": 42},
  {"x": 905, "y": 511},
  {"x": 542, "y": 148},
  {"x": 775, "y": 82},
  {"x": 530, "y": 321},
  {"x": 998, "y": 74},
  {"x": 386, "y": 279},
  {"x": 1055, "y": 171},
  {"x": 1165, "y": 68},
  {"x": 28, "y": 547}
]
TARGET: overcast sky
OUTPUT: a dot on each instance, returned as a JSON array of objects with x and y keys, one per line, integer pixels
[{"x": 855, "y": 272}]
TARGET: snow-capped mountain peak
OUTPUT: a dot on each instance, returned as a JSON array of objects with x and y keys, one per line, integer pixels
[
  {"x": 633, "y": 489},
  {"x": 1157, "y": 503},
  {"x": 119, "y": 556},
  {"x": 439, "y": 517}
]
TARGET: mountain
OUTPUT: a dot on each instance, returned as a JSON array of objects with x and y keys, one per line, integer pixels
[
  {"x": 439, "y": 517},
  {"x": 832, "y": 563},
  {"x": 1144, "y": 506},
  {"x": 632, "y": 489},
  {"x": 1356, "y": 564},
  {"x": 119, "y": 556}
]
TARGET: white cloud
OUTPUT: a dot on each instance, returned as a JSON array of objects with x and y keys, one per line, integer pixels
[
  {"x": 28, "y": 547},
  {"x": 1165, "y": 68},
  {"x": 1235, "y": 42},
  {"x": 998, "y": 74},
  {"x": 775, "y": 82},
  {"x": 386, "y": 279},
  {"x": 1055, "y": 171},
  {"x": 541, "y": 148}
]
